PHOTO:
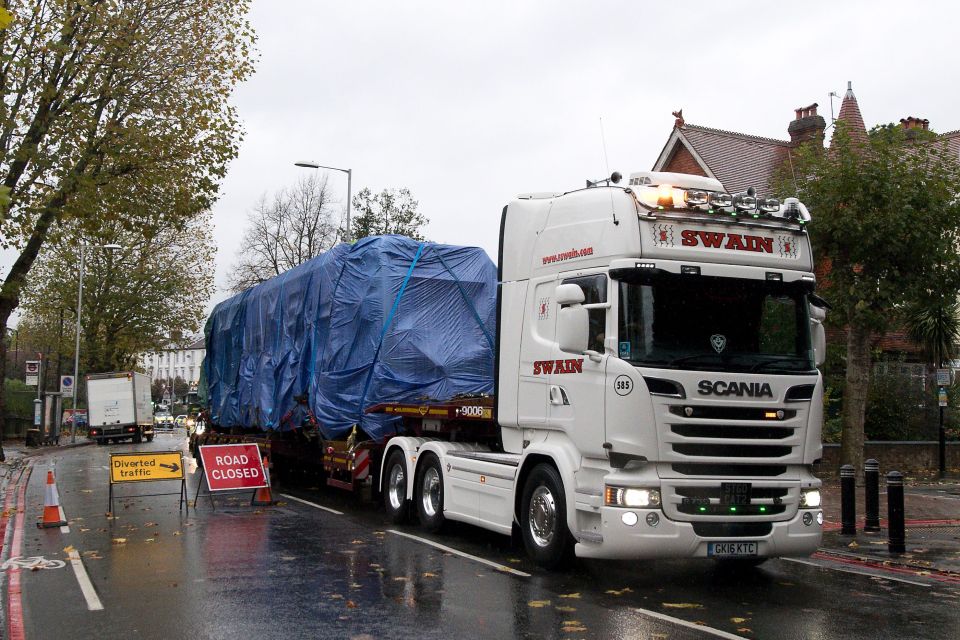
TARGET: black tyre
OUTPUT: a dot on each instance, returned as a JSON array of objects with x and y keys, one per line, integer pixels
[
  {"x": 150, "y": 438},
  {"x": 543, "y": 518},
  {"x": 428, "y": 493},
  {"x": 137, "y": 438},
  {"x": 395, "y": 488},
  {"x": 101, "y": 441}
]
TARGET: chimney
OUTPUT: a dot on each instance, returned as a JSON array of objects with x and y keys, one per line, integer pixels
[
  {"x": 807, "y": 125},
  {"x": 915, "y": 123}
]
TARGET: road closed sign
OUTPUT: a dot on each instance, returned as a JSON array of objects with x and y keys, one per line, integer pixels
[{"x": 233, "y": 466}]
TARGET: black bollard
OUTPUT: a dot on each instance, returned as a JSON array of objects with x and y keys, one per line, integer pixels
[
  {"x": 848, "y": 501},
  {"x": 871, "y": 480},
  {"x": 896, "y": 526}
]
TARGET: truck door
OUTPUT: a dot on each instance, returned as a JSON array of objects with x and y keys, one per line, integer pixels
[
  {"x": 577, "y": 382},
  {"x": 536, "y": 346}
]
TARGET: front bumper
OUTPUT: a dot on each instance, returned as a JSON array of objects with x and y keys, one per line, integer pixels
[{"x": 673, "y": 539}]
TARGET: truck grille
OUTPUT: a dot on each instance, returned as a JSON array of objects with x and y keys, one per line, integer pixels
[
  {"x": 732, "y": 470},
  {"x": 732, "y": 529},
  {"x": 705, "y": 501},
  {"x": 732, "y": 450},
  {"x": 733, "y": 432}
]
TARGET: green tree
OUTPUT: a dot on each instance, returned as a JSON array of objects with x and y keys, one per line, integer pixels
[
  {"x": 391, "y": 211},
  {"x": 887, "y": 226},
  {"x": 180, "y": 388},
  {"x": 934, "y": 324},
  {"x": 113, "y": 111},
  {"x": 155, "y": 286}
]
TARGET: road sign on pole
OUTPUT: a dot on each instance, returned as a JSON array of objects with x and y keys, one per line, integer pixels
[
  {"x": 943, "y": 377},
  {"x": 66, "y": 386},
  {"x": 33, "y": 373}
]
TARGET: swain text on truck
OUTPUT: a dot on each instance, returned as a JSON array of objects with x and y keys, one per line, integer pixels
[
  {"x": 569, "y": 365},
  {"x": 721, "y": 240}
]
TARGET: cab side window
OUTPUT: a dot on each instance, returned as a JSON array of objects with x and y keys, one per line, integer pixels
[{"x": 595, "y": 302}]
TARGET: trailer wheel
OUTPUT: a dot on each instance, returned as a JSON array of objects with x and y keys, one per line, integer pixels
[
  {"x": 543, "y": 518},
  {"x": 428, "y": 493},
  {"x": 395, "y": 488}
]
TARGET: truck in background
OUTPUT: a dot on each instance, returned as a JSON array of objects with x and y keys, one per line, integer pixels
[
  {"x": 656, "y": 385},
  {"x": 119, "y": 407}
]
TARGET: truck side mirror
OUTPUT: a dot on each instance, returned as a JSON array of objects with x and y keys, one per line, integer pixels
[
  {"x": 573, "y": 324},
  {"x": 818, "y": 314}
]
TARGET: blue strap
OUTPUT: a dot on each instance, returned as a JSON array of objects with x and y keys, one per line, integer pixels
[
  {"x": 386, "y": 325},
  {"x": 476, "y": 316}
]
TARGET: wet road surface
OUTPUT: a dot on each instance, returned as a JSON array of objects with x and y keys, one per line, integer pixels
[{"x": 297, "y": 571}]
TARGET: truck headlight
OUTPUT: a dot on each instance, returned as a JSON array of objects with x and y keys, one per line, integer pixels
[
  {"x": 810, "y": 498},
  {"x": 632, "y": 497}
]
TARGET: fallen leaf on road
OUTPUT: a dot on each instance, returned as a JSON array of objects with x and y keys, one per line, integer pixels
[
  {"x": 570, "y": 595},
  {"x": 176, "y": 533},
  {"x": 853, "y": 544},
  {"x": 738, "y": 620},
  {"x": 538, "y": 604},
  {"x": 336, "y": 596},
  {"x": 565, "y": 609},
  {"x": 149, "y": 540},
  {"x": 355, "y": 586},
  {"x": 744, "y": 630},
  {"x": 82, "y": 530},
  {"x": 682, "y": 605},
  {"x": 119, "y": 541},
  {"x": 68, "y": 549},
  {"x": 86, "y": 490},
  {"x": 150, "y": 524},
  {"x": 400, "y": 579},
  {"x": 356, "y": 542},
  {"x": 572, "y": 626},
  {"x": 351, "y": 604},
  {"x": 619, "y": 592},
  {"x": 514, "y": 560},
  {"x": 428, "y": 574}
]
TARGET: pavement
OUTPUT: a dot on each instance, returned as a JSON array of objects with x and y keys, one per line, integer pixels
[{"x": 931, "y": 508}]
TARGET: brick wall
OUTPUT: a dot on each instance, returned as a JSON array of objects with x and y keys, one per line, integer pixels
[
  {"x": 906, "y": 457},
  {"x": 682, "y": 161}
]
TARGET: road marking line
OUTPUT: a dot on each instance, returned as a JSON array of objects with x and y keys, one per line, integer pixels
[
  {"x": 462, "y": 554},
  {"x": 312, "y": 504},
  {"x": 89, "y": 593},
  {"x": 63, "y": 518},
  {"x": 15, "y": 627},
  {"x": 690, "y": 625},
  {"x": 859, "y": 573}
]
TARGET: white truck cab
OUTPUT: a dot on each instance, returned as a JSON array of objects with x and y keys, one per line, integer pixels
[{"x": 657, "y": 391}]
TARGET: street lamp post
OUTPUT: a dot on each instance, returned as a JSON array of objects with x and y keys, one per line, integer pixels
[
  {"x": 76, "y": 352},
  {"x": 313, "y": 165}
]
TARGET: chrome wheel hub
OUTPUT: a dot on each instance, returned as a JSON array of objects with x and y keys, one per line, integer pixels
[
  {"x": 431, "y": 492},
  {"x": 397, "y": 486},
  {"x": 542, "y": 516}
]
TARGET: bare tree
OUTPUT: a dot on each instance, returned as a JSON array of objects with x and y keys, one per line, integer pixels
[{"x": 284, "y": 231}]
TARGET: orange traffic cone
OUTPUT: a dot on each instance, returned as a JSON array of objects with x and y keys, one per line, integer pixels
[
  {"x": 51, "y": 505},
  {"x": 262, "y": 496}
]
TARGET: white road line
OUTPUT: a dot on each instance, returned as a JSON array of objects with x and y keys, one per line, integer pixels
[
  {"x": 683, "y": 623},
  {"x": 811, "y": 563},
  {"x": 63, "y": 517},
  {"x": 457, "y": 552},
  {"x": 312, "y": 504},
  {"x": 89, "y": 593}
]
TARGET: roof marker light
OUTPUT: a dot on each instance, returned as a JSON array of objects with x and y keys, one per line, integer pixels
[
  {"x": 665, "y": 195},
  {"x": 770, "y": 205},
  {"x": 721, "y": 200},
  {"x": 695, "y": 198}
]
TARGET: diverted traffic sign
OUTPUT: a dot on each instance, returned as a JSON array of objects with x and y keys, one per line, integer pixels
[
  {"x": 232, "y": 466},
  {"x": 146, "y": 466}
]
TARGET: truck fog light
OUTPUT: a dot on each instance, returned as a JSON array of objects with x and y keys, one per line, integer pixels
[
  {"x": 820, "y": 517},
  {"x": 808, "y": 518},
  {"x": 630, "y": 518},
  {"x": 653, "y": 518}
]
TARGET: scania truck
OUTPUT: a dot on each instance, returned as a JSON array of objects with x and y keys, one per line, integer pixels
[{"x": 656, "y": 384}]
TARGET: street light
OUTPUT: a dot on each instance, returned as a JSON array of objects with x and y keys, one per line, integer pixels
[
  {"x": 76, "y": 353},
  {"x": 313, "y": 165}
]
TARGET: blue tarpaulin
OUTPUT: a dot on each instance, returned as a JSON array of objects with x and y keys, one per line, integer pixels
[{"x": 387, "y": 319}]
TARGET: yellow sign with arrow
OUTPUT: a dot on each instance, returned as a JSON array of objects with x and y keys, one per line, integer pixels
[{"x": 146, "y": 466}]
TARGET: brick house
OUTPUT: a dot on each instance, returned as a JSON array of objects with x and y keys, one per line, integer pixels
[{"x": 740, "y": 160}]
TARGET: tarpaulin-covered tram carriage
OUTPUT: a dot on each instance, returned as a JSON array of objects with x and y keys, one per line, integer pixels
[{"x": 324, "y": 363}]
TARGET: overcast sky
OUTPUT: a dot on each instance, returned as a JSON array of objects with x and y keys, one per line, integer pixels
[{"x": 468, "y": 104}]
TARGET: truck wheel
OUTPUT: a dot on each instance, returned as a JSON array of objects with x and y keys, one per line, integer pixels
[
  {"x": 543, "y": 518},
  {"x": 137, "y": 438},
  {"x": 428, "y": 494},
  {"x": 150, "y": 438},
  {"x": 101, "y": 441},
  {"x": 395, "y": 488}
]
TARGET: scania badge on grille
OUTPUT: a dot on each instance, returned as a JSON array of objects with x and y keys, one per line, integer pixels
[{"x": 719, "y": 342}]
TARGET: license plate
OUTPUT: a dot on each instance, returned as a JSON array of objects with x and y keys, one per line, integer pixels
[
  {"x": 735, "y": 493},
  {"x": 731, "y": 549}
]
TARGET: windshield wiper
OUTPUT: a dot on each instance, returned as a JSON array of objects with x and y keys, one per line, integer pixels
[
  {"x": 684, "y": 359},
  {"x": 794, "y": 360}
]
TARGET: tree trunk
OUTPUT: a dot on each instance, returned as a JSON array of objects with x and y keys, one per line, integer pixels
[
  {"x": 3, "y": 383},
  {"x": 856, "y": 387}
]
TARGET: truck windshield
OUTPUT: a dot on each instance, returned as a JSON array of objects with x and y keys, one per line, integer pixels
[{"x": 716, "y": 324}]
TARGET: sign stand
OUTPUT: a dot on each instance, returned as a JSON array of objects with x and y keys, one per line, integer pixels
[
  {"x": 231, "y": 467},
  {"x": 148, "y": 467}
]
